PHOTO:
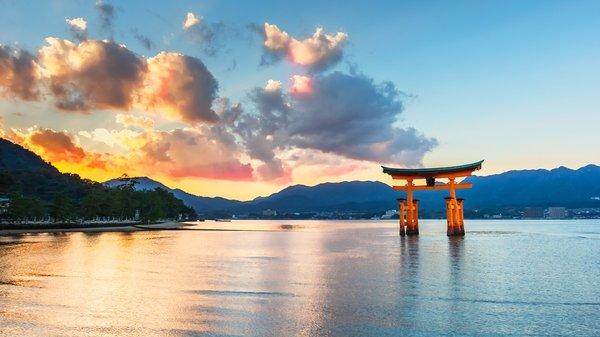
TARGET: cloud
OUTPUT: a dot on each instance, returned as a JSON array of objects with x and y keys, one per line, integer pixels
[
  {"x": 78, "y": 28},
  {"x": 273, "y": 86},
  {"x": 51, "y": 145},
  {"x": 62, "y": 150},
  {"x": 180, "y": 85},
  {"x": 18, "y": 74},
  {"x": 346, "y": 115},
  {"x": 107, "y": 16},
  {"x": 195, "y": 153},
  {"x": 112, "y": 138},
  {"x": 132, "y": 120},
  {"x": 179, "y": 153},
  {"x": 207, "y": 36},
  {"x": 257, "y": 131},
  {"x": 1, "y": 127},
  {"x": 359, "y": 122},
  {"x": 191, "y": 20},
  {"x": 97, "y": 74},
  {"x": 301, "y": 85},
  {"x": 144, "y": 41},
  {"x": 316, "y": 53},
  {"x": 90, "y": 75},
  {"x": 319, "y": 164}
]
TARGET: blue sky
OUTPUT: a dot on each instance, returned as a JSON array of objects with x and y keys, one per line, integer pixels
[{"x": 512, "y": 82}]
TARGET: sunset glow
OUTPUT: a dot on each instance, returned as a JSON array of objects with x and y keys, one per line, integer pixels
[{"x": 243, "y": 105}]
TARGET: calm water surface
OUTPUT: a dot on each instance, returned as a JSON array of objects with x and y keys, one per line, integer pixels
[{"x": 307, "y": 278}]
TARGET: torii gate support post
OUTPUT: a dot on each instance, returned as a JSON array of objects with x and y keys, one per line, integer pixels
[
  {"x": 455, "y": 215},
  {"x": 413, "y": 227},
  {"x": 402, "y": 215},
  {"x": 412, "y": 217}
]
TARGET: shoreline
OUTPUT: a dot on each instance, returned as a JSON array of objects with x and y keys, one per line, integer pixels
[{"x": 119, "y": 227}]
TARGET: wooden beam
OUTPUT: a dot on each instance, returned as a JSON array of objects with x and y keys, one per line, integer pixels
[
  {"x": 435, "y": 187},
  {"x": 437, "y": 176}
]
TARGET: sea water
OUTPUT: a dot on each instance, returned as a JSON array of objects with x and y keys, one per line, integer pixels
[{"x": 306, "y": 278}]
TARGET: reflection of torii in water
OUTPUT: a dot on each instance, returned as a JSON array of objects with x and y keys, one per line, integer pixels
[{"x": 409, "y": 208}]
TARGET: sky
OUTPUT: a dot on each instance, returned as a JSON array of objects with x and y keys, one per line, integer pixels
[{"x": 243, "y": 98}]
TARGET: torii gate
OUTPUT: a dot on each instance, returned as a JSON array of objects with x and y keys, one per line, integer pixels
[{"x": 409, "y": 207}]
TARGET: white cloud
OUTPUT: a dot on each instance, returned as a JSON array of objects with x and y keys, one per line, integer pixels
[
  {"x": 273, "y": 85},
  {"x": 191, "y": 20},
  {"x": 78, "y": 23}
]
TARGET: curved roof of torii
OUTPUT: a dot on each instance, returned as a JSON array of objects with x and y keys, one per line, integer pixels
[{"x": 432, "y": 171}]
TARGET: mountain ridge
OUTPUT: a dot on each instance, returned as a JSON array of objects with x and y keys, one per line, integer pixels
[
  {"x": 560, "y": 186},
  {"x": 528, "y": 187}
]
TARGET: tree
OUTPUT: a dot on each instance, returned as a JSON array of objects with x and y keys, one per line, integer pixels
[
  {"x": 7, "y": 183},
  {"x": 151, "y": 207},
  {"x": 62, "y": 208},
  {"x": 25, "y": 208}
]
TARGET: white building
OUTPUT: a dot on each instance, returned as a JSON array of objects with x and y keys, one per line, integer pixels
[{"x": 389, "y": 214}]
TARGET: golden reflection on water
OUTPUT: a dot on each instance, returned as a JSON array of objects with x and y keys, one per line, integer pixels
[
  {"x": 302, "y": 279},
  {"x": 161, "y": 283}
]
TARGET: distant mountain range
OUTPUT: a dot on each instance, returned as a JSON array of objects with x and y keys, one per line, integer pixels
[
  {"x": 199, "y": 203},
  {"x": 23, "y": 170},
  {"x": 512, "y": 189}
]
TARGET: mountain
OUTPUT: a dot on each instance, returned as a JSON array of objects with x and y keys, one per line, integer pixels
[
  {"x": 198, "y": 203},
  {"x": 557, "y": 187},
  {"x": 513, "y": 189},
  {"x": 358, "y": 196},
  {"x": 24, "y": 172}
]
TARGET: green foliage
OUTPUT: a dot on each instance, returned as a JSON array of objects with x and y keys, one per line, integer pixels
[
  {"x": 106, "y": 203},
  {"x": 26, "y": 208},
  {"x": 62, "y": 209},
  {"x": 38, "y": 190}
]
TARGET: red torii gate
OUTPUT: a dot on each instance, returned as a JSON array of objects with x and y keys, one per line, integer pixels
[{"x": 409, "y": 207}]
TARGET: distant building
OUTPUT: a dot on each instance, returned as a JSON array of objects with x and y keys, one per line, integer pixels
[
  {"x": 4, "y": 204},
  {"x": 533, "y": 212},
  {"x": 557, "y": 212},
  {"x": 269, "y": 212},
  {"x": 584, "y": 213},
  {"x": 389, "y": 214}
]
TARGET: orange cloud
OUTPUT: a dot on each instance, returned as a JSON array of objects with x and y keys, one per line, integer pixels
[
  {"x": 90, "y": 75},
  {"x": 181, "y": 86},
  {"x": 131, "y": 120},
  {"x": 51, "y": 145},
  {"x": 199, "y": 153},
  {"x": 63, "y": 151},
  {"x": 181, "y": 153},
  {"x": 103, "y": 75}
]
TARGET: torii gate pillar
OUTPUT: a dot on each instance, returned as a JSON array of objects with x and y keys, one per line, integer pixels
[{"x": 409, "y": 207}]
